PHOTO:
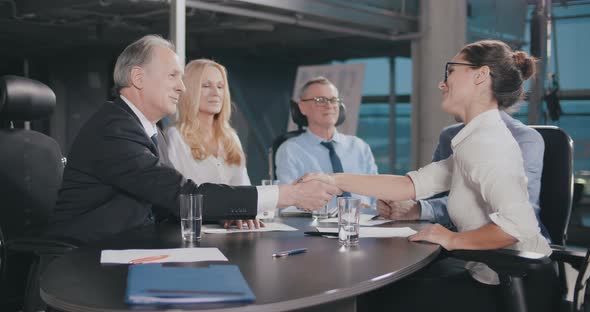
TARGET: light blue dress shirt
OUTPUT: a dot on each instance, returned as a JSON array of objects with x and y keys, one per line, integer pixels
[
  {"x": 304, "y": 154},
  {"x": 532, "y": 148}
]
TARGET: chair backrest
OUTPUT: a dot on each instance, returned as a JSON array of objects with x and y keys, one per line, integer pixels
[
  {"x": 581, "y": 283},
  {"x": 31, "y": 162},
  {"x": 301, "y": 121},
  {"x": 557, "y": 182}
]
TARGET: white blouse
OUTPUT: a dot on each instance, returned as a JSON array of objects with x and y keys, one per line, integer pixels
[
  {"x": 209, "y": 170},
  {"x": 487, "y": 183}
]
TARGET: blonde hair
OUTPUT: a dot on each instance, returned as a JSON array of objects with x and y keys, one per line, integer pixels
[{"x": 189, "y": 124}]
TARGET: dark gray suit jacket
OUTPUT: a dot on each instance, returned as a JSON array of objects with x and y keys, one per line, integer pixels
[{"x": 114, "y": 180}]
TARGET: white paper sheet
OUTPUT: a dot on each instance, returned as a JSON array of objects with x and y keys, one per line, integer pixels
[
  {"x": 364, "y": 220},
  {"x": 269, "y": 227},
  {"x": 161, "y": 255},
  {"x": 377, "y": 231}
]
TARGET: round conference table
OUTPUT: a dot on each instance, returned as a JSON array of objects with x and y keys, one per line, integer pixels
[{"x": 327, "y": 276}]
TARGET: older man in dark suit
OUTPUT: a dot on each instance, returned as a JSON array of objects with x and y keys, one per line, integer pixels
[{"x": 115, "y": 178}]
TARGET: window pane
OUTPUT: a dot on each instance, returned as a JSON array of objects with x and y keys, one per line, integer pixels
[
  {"x": 572, "y": 50},
  {"x": 374, "y": 129},
  {"x": 577, "y": 128},
  {"x": 403, "y": 76},
  {"x": 376, "y": 75},
  {"x": 403, "y": 146}
]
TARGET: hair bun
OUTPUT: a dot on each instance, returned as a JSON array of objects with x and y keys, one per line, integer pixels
[{"x": 525, "y": 64}]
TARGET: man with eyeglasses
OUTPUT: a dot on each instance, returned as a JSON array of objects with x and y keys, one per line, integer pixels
[{"x": 322, "y": 148}]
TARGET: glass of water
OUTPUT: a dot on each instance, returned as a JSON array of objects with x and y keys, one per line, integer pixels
[
  {"x": 191, "y": 216},
  {"x": 321, "y": 213},
  {"x": 268, "y": 214},
  {"x": 349, "y": 212}
]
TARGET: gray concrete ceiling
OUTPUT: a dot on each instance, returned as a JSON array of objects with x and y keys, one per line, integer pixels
[{"x": 278, "y": 28}]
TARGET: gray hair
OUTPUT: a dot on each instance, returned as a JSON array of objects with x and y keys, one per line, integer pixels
[
  {"x": 317, "y": 80},
  {"x": 139, "y": 53}
]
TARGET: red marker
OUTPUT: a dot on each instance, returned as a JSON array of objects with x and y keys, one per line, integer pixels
[{"x": 147, "y": 259}]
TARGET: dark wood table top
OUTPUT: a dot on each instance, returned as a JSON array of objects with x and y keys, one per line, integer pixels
[{"x": 325, "y": 273}]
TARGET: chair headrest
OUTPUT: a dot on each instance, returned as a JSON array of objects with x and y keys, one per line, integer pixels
[
  {"x": 24, "y": 99},
  {"x": 301, "y": 121}
]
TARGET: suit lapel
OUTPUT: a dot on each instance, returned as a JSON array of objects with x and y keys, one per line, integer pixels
[{"x": 119, "y": 102}]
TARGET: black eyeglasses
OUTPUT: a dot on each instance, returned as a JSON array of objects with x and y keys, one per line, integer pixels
[
  {"x": 465, "y": 64},
  {"x": 323, "y": 101}
]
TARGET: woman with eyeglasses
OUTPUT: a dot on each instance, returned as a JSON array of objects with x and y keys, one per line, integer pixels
[
  {"x": 488, "y": 199},
  {"x": 202, "y": 145}
]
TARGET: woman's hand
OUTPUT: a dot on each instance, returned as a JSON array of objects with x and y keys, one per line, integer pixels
[
  {"x": 251, "y": 224},
  {"x": 437, "y": 234},
  {"x": 326, "y": 178}
]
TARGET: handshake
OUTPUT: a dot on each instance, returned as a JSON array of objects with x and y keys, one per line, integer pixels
[
  {"x": 310, "y": 192},
  {"x": 313, "y": 190}
]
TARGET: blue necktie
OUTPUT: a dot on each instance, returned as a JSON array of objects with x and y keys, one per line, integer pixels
[
  {"x": 155, "y": 141},
  {"x": 335, "y": 160}
]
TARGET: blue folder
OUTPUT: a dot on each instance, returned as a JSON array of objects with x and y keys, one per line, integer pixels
[{"x": 156, "y": 284}]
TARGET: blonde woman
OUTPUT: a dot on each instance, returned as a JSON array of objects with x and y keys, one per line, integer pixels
[{"x": 202, "y": 145}]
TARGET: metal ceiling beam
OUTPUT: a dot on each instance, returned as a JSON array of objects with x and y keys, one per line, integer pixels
[
  {"x": 36, "y": 6},
  {"x": 342, "y": 11},
  {"x": 299, "y": 20}
]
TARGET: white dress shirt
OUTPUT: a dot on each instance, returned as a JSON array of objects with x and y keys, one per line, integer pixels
[
  {"x": 214, "y": 170},
  {"x": 148, "y": 126},
  {"x": 487, "y": 183},
  {"x": 304, "y": 154}
]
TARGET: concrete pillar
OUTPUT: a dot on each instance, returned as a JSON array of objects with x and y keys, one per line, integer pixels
[
  {"x": 443, "y": 25},
  {"x": 178, "y": 28}
]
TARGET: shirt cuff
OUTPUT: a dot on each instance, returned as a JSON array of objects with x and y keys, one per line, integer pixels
[
  {"x": 415, "y": 176},
  {"x": 507, "y": 225},
  {"x": 426, "y": 211},
  {"x": 268, "y": 197}
]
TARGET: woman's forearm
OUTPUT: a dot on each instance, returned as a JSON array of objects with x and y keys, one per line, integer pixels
[
  {"x": 389, "y": 187},
  {"x": 489, "y": 236}
]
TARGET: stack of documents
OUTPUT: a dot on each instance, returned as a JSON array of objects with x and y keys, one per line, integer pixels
[
  {"x": 155, "y": 284},
  {"x": 364, "y": 220},
  {"x": 269, "y": 227},
  {"x": 293, "y": 211}
]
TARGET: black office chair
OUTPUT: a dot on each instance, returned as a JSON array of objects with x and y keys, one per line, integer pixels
[
  {"x": 555, "y": 203},
  {"x": 301, "y": 121},
  {"x": 31, "y": 167}
]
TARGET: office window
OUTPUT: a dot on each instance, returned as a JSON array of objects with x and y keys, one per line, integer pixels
[
  {"x": 374, "y": 129},
  {"x": 575, "y": 121},
  {"x": 571, "y": 68},
  {"x": 374, "y": 115}
]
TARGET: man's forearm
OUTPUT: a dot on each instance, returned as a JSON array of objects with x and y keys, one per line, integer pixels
[{"x": 286, "y": 196}]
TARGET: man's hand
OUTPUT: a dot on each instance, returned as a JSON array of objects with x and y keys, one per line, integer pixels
[
  {"x": 399, "y": 210},
  {"x": 311, "y": 195},
  {"x": 251, "y": 224},
  {"x": 437, "y": 234},
  {"x": 326, "y": 178}
]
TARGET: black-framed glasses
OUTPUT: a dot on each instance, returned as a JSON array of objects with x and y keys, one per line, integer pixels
[
  {"x": 323, "y": 101},
  {"x": 458, "y": 63}
]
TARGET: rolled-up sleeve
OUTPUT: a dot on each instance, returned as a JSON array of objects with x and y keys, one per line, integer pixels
[{"x": 432, "y": 179}]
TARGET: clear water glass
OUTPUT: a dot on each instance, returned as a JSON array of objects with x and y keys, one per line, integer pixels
[{"x": 349, "y": 212}]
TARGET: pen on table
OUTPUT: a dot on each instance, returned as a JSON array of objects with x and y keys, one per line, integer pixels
[
  {"x": 289, "y": 252},
  {"x": 147, "y": 259},
  {"x": 315, "y": 233}
]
